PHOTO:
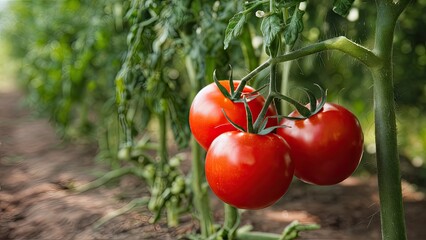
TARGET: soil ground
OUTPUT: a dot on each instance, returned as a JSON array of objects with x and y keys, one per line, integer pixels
[{"x": 35, "y": 165}]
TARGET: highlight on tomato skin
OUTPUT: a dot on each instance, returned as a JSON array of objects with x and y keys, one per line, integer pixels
[
  {"x": 207, "y": 120},
  {"x": 327, "y": 147},
  {"x": 249, "y": 171}
]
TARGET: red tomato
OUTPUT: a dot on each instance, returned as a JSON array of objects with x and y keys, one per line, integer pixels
[
  {"x": 327, "y": 147},
  {"x": 207, "y": 120},
  {"x": 247, "y": 170}
]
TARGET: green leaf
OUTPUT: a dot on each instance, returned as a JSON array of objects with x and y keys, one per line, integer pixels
[
  {"x": 270, "y": 27},
  {"x": 342, "y": 7},
  {"x": 234, "y": 28},
  {"x": 289, "y": 3},
  {"x": 292, "y": 30},
  {"x": 179, "y": 111}
]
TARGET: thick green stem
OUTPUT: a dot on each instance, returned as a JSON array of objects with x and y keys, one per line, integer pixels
[
  {"x": 389, "y": 177},
  {"x": 341, "y": 44},
  {"x": 258, "y": 236},
  {"x": 248, "y": 51},
  {"x": 273, "y": 79},
  {"x": 270, "y": 98},
  {"x": 162, "y": 147},
  {"x": 249, "y": 76},
  {"x": 201, "y": 197},
  {"x": 285, "y": 79},
  {"x": 172, "y": 215},
  {"x": 172, "y": 212},
  {"x": 231, "y": 221}
]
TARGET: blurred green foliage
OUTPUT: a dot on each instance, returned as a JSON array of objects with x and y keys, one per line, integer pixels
[{"x": 69, "y": 53}]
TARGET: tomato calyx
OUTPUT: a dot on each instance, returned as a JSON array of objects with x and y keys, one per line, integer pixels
[
  {"x": 261, "y": 130},
  {"x": 315, "y": 104},
  {"x": 235, "y": 95},
  {"x": 228, "y": 94}
]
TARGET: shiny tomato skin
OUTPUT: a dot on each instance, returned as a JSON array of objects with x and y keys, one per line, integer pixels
[
  {"x": 207, "y": 120},
  {"x": 327, "y": 147},
  {"x": 249, "y": 171}
]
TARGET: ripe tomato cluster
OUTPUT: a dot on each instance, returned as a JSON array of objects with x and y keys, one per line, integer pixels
[
  {"x": 207, "y": 120},
  {"x": 253, "y": 171}
]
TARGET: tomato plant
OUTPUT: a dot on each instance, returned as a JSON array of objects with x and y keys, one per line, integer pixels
[
  {"x": 206, "y": 119},
  {"x": 327, "y": 147},
  {"x": 247, "y": 170},
  {"x": 65, "y": 73}
]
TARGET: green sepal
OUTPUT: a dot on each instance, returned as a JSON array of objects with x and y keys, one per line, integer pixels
[
  {"x": 342, "y": 7},
  {"x": 292, "y": 118},
  {"x": 231, "y": 80},
  {"x": 270, "y": 129},
  {"x": 323, "y": 98},
  {"x": 304, "y": 111},
  {"x": 250, "y": 96},
  {"x": 314, "y": 105},
  {"x": 263, "y": 130},
  {"x": 222, "y": 89},
  {"x": 263, "y": 125},
  {"x": 232, "y": 122},
  {"x": 312, "y": 99},
  {"x": 249, "y": 115}
]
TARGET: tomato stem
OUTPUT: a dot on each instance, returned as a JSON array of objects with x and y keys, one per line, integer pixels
[
  {"x": 285, "y": 79},
  {"x": 262, "y": 114},
  {"x": 201, "y": 197},
  {"x": 341, "y": 44},
  {"x": 389, "y": 176},
  {"x": 247, "y": 49},
  {"x": 162, "y": 148},
  {"x": 248, "y": 77},
  {"x": 232, "y": 220}
]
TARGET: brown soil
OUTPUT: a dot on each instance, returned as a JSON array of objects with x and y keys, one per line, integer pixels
[{"x": 35, "y": 165}]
